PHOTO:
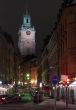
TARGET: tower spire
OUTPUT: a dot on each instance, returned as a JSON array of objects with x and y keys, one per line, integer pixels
[
  {"x": 26, "y": 11},
  {"x": 26, "y": 7}
]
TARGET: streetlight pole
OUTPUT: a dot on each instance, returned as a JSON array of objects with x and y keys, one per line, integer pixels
[
  {"x": 55, "y": 80},
  {"x": 66, "y": 83},
  {"x": 55, "y": 97},
  {"x": 66, "y": 97}
]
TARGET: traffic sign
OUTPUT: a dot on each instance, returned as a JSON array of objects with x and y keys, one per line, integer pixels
[{"x": 55, "y": 79}]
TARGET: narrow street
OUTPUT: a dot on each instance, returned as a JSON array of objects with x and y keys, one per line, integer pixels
[{"x": 37, "y": 54}]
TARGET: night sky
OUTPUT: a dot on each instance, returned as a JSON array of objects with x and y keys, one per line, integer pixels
[{"x": 43, "y": 16}]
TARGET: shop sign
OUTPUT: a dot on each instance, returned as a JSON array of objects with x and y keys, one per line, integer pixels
[{"x": 64, "y": 77}]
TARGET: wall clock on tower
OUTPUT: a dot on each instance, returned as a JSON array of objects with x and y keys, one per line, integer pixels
[{"x": 28, "y": 32}]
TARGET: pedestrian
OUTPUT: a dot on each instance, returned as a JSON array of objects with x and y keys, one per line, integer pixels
[{"x": 72, "y": 96}]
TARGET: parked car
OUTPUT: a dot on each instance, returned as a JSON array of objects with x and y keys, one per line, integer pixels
[
  {"x": 37, "y": 97},
  {"x": 3, "y": 99},
  {"x": 15, "y": 98}
]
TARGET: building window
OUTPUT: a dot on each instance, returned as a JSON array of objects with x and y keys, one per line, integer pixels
[
  {"x": 27, "y": 20},
  {"x": 75, "y": 17}
]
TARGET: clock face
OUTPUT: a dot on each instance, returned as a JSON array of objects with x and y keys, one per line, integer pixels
[{"x": 28, "y": 32}]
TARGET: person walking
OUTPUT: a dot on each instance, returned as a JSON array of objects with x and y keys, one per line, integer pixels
[{"x": 72, "y": 96}]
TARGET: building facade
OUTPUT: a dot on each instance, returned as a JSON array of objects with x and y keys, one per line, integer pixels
[
  {"x": 34, "y": 74},
  {"x": 66, "y": 35},
  {"x": 53, "y": 57},
  {"x": 67, "y": 41},
  {"x": 61, "y": 48},
  {"x": 7, "y": 59}
]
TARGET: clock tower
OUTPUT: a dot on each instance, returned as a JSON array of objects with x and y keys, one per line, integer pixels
[{"x": 26, "y": 34}]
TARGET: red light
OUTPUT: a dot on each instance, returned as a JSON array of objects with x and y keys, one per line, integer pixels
[
  {"x": 68, "y": 80},
  {"x": 64, "y": 83}
]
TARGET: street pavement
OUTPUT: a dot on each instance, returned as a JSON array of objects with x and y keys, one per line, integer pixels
[
  {"x": 59, "y": 104},
  {"x": 47, "y": 104}
]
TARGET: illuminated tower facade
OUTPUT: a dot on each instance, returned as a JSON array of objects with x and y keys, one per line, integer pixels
[{"x": 26, "y": 34}]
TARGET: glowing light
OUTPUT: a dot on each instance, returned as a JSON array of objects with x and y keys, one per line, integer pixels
[
  {"x": 40, "y": 85},
  {"x": 18, "y": 82},
  {"x": 68, "y": 81},
  {"x": 0, "y": 82},
  {"x": 32, "y": 81},
  {"x": 35, "y": 81},
  {"x": 25, "y": 83},
  {"x": 28, "y": 75}
]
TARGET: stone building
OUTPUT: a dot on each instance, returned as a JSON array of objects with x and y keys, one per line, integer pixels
[
  {"x": 67, "y": 40},
  {"x": 7, "y": 56},
  {"x": 26, "y": 33},
  {"x": 52, "y": 48}
]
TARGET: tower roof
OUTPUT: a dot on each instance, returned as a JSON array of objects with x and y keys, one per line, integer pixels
[{"x": 27, "y": 22}]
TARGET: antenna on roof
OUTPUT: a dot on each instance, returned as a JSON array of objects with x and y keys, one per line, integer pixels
[
  {"x": 26, "y": 11},
  {"x": 26, "y": 3}
]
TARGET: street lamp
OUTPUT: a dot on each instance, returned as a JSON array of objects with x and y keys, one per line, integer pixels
[{"x": 28, "y": 76}]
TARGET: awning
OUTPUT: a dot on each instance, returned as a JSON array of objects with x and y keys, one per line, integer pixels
[{"x": 73, "y": 84}]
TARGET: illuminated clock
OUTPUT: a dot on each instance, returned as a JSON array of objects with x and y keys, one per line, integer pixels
[{"x": 28, "y": 32}]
